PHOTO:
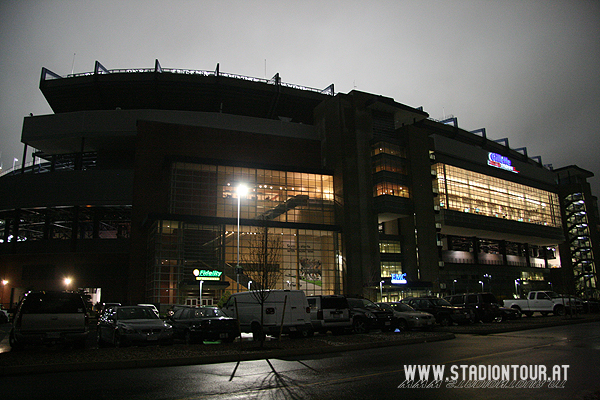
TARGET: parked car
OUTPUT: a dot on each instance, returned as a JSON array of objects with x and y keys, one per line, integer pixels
[
  {"x": 367, "y": 315},
  {"x": 198, "y": 324},
  {"x": 544, "y": 302},
  {"x": 330, "y": 313},
  {"x": 122, "y": 326},
  {"x": 591, "y": 306},
  {"x": 3, "y": 315},
  {"x": 509, "y": 313},
  {"x": 295, "y": 320},
  {"x": 50, "y": 317},
  {"x": 107, "y": 306},
  {"x": 574, "y": 305},
  {"x": 152, "y": 307},
  {"x": 485, "y": 307},
  {"x": 405, "y": 317},
  {"x": 445, "y": 313}
]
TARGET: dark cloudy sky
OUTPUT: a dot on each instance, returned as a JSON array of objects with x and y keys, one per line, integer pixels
[{"x": 525, "y": 70}]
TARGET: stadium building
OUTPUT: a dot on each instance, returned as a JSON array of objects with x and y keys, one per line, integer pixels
[{"x": 135, "y": 192}]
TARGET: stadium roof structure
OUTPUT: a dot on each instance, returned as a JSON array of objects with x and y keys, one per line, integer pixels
[{"x": 181, "y": 89}]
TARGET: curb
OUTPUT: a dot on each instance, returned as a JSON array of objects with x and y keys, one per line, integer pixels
[{"x": 212, "y": 359}]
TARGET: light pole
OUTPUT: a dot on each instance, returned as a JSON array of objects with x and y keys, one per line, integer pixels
[
  {"x": 249, "y": 283},
  {"x": 454, "y": 286},
  {"x": 4, "y": 283},
  {"x": 516, "y": 288},
  {"x": 481, "y": 285},
  {"x": 241, "y": 191},
  {"x": 200, "y": 281},
  {"x": 67, "y": 283},
  {"x": 381, "y": 290}
]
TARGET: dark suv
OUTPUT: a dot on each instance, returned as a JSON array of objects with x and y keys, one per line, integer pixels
[
  {"x": 367, "y": 315},
  {"x": 484, "y": 305},
  {"x": 445, "y": 313},
  {"x": 50, "y": 317}
]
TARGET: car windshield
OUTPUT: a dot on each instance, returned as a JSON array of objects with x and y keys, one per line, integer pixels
[
  {"x": 208, "y": 312},
  {"x": 362, "y": 303},
  {"x": 440, "y": 302},
  {"x": 136, "y": 313}
]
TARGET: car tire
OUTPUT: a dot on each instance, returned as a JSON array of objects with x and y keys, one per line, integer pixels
[
  {"x": 188, "y": 338},
  {"x": 14, "y": 344},
  {"x": 445, "y": 320},
  {"x": 402, "y": 325},
  {"x": 360, "y": 325},
  {"x": 559, "y": 310}
]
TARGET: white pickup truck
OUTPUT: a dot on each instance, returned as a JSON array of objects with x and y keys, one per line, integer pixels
[{"x": 544, "y": 302}]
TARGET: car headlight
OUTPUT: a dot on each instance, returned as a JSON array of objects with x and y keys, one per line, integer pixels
[{"x": 371, "y": 315}]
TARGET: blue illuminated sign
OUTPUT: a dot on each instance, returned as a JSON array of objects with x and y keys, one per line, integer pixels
[
  {"x": 399, "y": 278},
  {"x": 499, "y": 161}
]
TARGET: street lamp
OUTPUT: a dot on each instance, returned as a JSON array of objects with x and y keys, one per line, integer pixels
[
  {"x": 241, "y": 191},
  {"x": 381, "y": 290},
  {"x": 4, "y": 283},
  {"x": 67, "y": 283},
  {"x": 481, "y": 285},
  {"x": 516, "y": 288},
  {"x": 197, "y": 274},
  {"x": 453, "y": 286},
  {"x": 249, "y": 283}
]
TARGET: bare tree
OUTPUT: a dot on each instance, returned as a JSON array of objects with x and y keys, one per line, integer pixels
[{"x": 262, "y": 265}]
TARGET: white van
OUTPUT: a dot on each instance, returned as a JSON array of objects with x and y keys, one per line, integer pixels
[{"x": 296, "y": 319}]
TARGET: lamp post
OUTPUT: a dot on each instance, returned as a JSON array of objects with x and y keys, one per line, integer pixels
[
  {"x": 67, "y": 283},
  {"x": 454, "y": 286},
  {"x": 517, "y": 288},
  {"x": 200, "y": 281},
  {"x": 381, "y": 290},
  {"x": 481, "y": 285},
  {"x": 241, "y": 191},
  {"x": 249, "y": 283},
  {"x": 4, "y": 283}
]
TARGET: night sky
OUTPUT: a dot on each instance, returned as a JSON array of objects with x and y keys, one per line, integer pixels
[{"x": 524, "y": 70}]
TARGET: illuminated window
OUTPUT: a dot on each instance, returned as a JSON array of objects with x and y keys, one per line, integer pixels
[
  {"x": 390, "y": 267},
  {"x": 389, "y": 246},
  {"x": 391, "y": 189},
  {"x": 388, "y": 148},
  {"x": 471, "y": 192},
  {"x": 210, "y": 190}
]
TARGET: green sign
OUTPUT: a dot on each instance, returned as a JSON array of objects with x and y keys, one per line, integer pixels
[{"x": 207, "y": 275}]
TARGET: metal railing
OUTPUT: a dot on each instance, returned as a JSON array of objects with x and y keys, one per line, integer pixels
[{"x": 49, "y": 75}]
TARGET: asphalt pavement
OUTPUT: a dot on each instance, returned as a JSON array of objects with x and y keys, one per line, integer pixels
[{"x": 40, "y": 359}]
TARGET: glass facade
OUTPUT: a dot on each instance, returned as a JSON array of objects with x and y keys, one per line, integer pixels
[
  {"x": 211, "y": 190},
  {"x": 389, "y": 158},
  {"x": 472, "y": 192},
  {"x": 306, "y": 259}
]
